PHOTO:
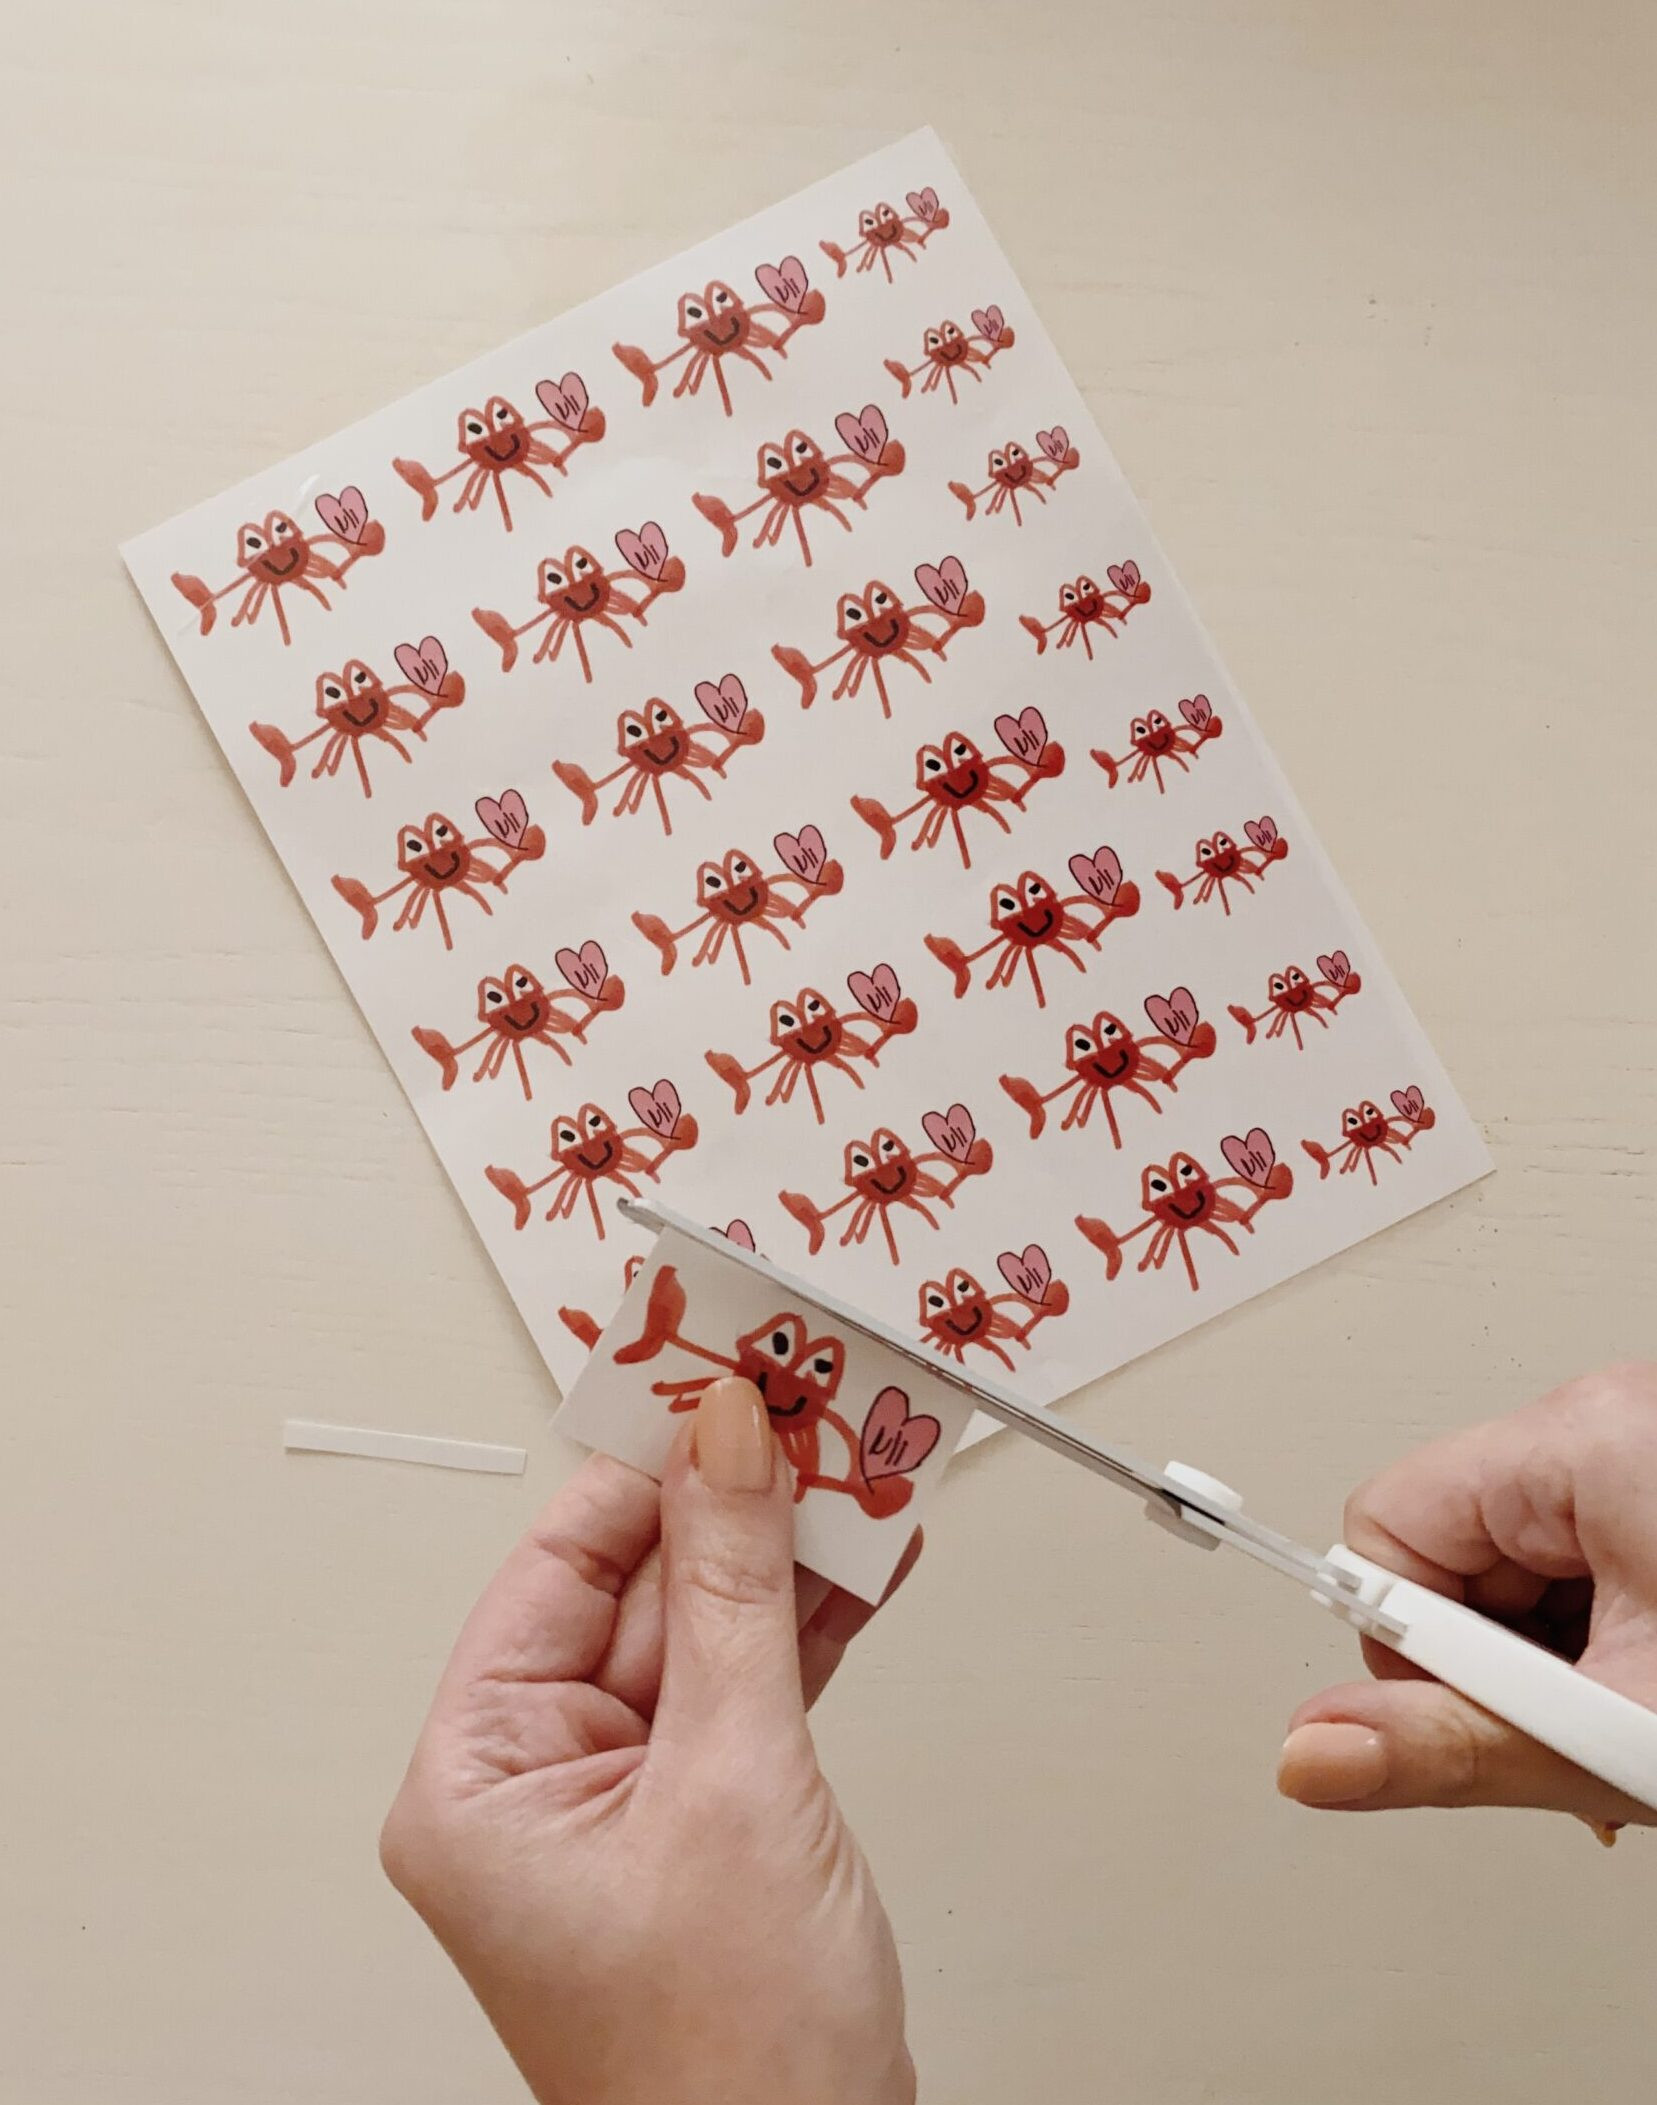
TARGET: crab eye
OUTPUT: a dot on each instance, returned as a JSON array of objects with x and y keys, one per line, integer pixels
[
  {"x": 1067, "y": 598},
  {"x": 474, "y": 427},
  {"x": 360, "y": 677},
  {"x": 440, "y": 832},
  {"x": 866, "y": 221},
  {"x": 253, "y": 543},
  {"x": 779, "y": 1343},
  {"x": 951, "y": 331},
  {"x": 963, "y": 1286},
  {"x": 581, "y": 565},
  {"x": 1350, "y": 1120},
  {"x": 282, "y": 528},
  {"x": 333, "y": 693},
  {"x": 661, "y": 715},
  {"x": 932, "y": 339},
  {"x": 787, "y": 1020},
  {"x": 503, "y": 414},
  {"x": 932, "y": 762},
  {"x": 567, "y": 1136},
  {"x": 520, "y": 982},
  {"x": 631, "y": 728},
  {"x": 552, "y": 578},
  {"x": 1157, "y": 721},
  {"x": 888, "y": 212},
  {"x": 1223, "y": 840},
  {"x": 412, "y": 844},
  {"x": 878, "y": 598},
  {"x": 1372, "y": 1110},
  {"x": 960, "y": 750},
  {"x": 1035, "y": 889},
  {"x": 998, "y": 461},
  {"x": 1161, "y": 1186},
  {"x": 1081, "y": 1045},
  {"x": 741, "y": 866},
  {"x": 802, "y": 448},
  {"x": 823, "y": 1364},
  {"x": 694, "y": 311},
  {"x": 1086, "y": 584},
  {"x": 888, "y": 1147},
  {"x": 1139, "y": 728},
  {"x": 814, "y": 1007},
  {"x": 1297, "y": 978},
  {"x": 774, "y": 464},
  {"x": 1015, "y": 452},
  {"x": 861, "y": 1161},
  {"x": 1005, "y": 903},
  {"x": 721, "y": 297},
  {"x": 855, "y": 616},
  {"x": 1188, "y": 1171},
  {"x": 1110, "y": 1028},
  {"x": 494, "y": 996},
  {"x": 1205, "y": 851},
  {"x": 712, "y": 882},
  {"x": 935, "y": 1300}
]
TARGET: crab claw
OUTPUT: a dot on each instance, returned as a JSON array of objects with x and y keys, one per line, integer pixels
[
  {"x": 836, "y": 255},
  {"x": 1032, "y": 626},
  {"x": 1104, "y": 1240},
  {"x": 808, "y": 1215},
  {"x": 1244, "y": 1018},
  {"x": 953, "y": 959},
  {"x": 531, "y": 845},
  {"x": 357, "y": 895},
  {"x": 434, "y": 1043},
  {"x": 581, "y": 1326},
  {"x": 638, "y": 364},
  {"x": 655, "y": 930},
  {"x": 512, "y": 1188},
  {"x": 902, "y": 1019},
  {"x": 1320, "y": 1155},
  {"x": 612, "y": 994},
  {"x": 1051, "y": 761},
  {"x": 420, "y": 482},
  {"x": 900, "y": 373},
  {"x": 279, "y": 746},
  {"x": 450, "y": 694},
  {"x": 1104, "y": 760},
  {"x": 798, "y": 667},
  {"x": 875, "y": 815},
  {"x": 196, "y": 592},
  {"x": 720, "y": 517},
  {"x": 884, "y": 1497},
  {"x": 1203, "y": 1041},
  {"x": 730, "y": 1071},
  {"x": 664, "y": 1311},
  {"x": 1028, "y": 1100},
  {"x": 1056, "y": 1300},
  {"x": 580, "y": 785},
  {"x": 499, "y": 631},
  {"x": 959, "y": 489},
  {"x": 1171, "y": 884},
  {"x": 1280, "y": 1181}
]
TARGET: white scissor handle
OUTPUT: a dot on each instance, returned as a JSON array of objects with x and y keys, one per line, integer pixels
[{"x": 1609, "y": 1735}]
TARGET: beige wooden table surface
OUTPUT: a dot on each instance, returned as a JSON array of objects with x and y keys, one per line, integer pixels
[{"x": 1364, "y": 295}]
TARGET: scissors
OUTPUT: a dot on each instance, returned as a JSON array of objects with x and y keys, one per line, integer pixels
[{"x": 1609, "y": 1735}]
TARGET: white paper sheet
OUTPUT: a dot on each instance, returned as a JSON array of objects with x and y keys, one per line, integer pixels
[{"x": 1003, "y": 598}]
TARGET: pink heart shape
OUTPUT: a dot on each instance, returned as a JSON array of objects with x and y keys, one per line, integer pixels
[
  {"x": 565, "y": 401},
  {"x": 951, "y": 1132},
  {"x": 741, "y": 1234},
  {"x": 585, "y": 969},
  {"x": 1026, "y": 1271},
  {"x": 1408, "y": 1103},
  {"x": 784, "y": 282},
  {"x": 804, "y": 852},
  {"x": 1024, "y": 735},
  {"x": 346, "y": 514},
  {"x": 1251, "y": 1157},
  {"x": 1196, "y": 709},
  {"x": 864, "y": 435},
  {"x": 504, "y": 816},
  {"x": 1124, "y": 576},
  {"x": 877, "y": 993},
  {"x": 1055, "y": 443},
  {"x": 1336, "y": 966},
  {"x": 644, "y": 551},
  {"x": 1262, "y": 832},
  {"x": 656, "y": 1108},
  {"x": 945, "y": 583},
  {"x": 726, "y": 704},
  {"x": 989, "y": 321},
  {"x": 895, "y": 1441},
  {"x": 424, "y": 664},
  {"x": 1098, "y": 874},
  {"x": 923, "y": 203},
  {"x": 1174, "y": 1015}
]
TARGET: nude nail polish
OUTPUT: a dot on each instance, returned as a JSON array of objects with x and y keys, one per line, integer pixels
[
  {"x": 1332, "y": 1764},
  {"x": 735, "y": 1447}
]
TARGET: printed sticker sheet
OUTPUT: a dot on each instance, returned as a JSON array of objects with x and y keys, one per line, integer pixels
[{"x": 742, "y": 742}]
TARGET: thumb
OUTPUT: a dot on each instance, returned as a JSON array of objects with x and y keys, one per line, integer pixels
[
  {"x": 730, "y": 1629},
  {"x": 1371, "y": 1746}
]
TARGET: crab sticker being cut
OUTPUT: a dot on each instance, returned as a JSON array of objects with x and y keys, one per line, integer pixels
[
  {"x": 1085, "y": 606},
  {"x": 439, "y": 864},
  {"x": 516, "y": 1010},
  {"x": 497, "y": 441},
  {"x": 1220, "y": 862},
  {"x": 1013, "y": 474},
  {"x": 1105, "y": 1059},
  {"x": 354, "y": 705},
  {"x": 278, "y": 556},
  {"x": 811, "y": 1037},
  {"x": 657, "y": 746},
  {"x": 717, "y": 324},
  {"x": 884, "y": 232},
  {"x": 956, "y": 1313},
  {"x": 1157, "y": 743},
  {"x": 1181, "y": 1200},
  {"x": 734, "y": 897},
  {"x": 953, "y": 778},
  {"x": 947, "y": 351},
  {"x": 1293, "y": 999},
  {"x": 1029, "y": 920},
  {"x": 881, "y": 1173},
  {"x": 589, "y": 1151},
  {"x": 1367, "y": 1131},
  {"x": 877, "y": 630},
  {"x": 795, "y": 477}
]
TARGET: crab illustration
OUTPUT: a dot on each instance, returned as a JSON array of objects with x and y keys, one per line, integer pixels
[
  {"x": 810, "y": 1036},
  {"x": 439, "y": 864},
  {"x": 496, "y": 441},
  {"x": 1182, "y": 1200},
  {"x": 1105, "y": 1058},
  {"x": 947, "y": 350},
  {"x": 1367, "y": 1131},
  {"x": 576, "y": 592},
  {"x": 883, "y": 232},
  {"x": 734, "y": 897},
  {"x": 717, "y": 323},
  {"x": 590, "y": 1149},
  {"x": 1292, "y": 998},
  {"x": 876, "y": 630},
  {"x": 516, "y": 1009},
  {"x": 277, "y": 556},
  {"x": 1085, "y": 606},
  {"x": 1014, "y": 474},
  {"x": 881, "y": 1173},
  {"x": 1220, "y": 862},
  {"x": 588, "y": 1329},
  {"x": 795, "y": 476},
  {"x": 953, "y": 778},
  {"x": 799, "y": 1377},
  {"x": 355, "y": 705},
  {"x": 1156, "y": 742},
  {"x": 657, "y": 746},
  {"x": 1029, "y": 918},
  {"x": 955, "y": 1311}
]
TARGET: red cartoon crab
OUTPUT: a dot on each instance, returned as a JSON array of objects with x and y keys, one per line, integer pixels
[
  {"x": 734, "y": 897},
  {"x": 278, "y": 556},
  {"x": 947, "y": 350},
  {"x": 880, "y": 1173},
  {"x": 1013, "y": 474},
  {"x": 876, "y": 630},
  {"x": 1293, "y": 999},
  {"x": 355, "y": 704},
  {"x": 1028, "y": 918},
  {"x": 657, "y": 746},
  {"x": 1367, "y": 1131},
  {"x": 496, "y": 441},
  {"x": 799, "y": 1377},
  {"x": 576, "y": 592},
  {"x": 1221, "y": 862},
  {"x": 1181, "y": 1200},
  {"x": 439, "y": 864},
  {"x": 955, "y": 1311},
  {"x": 1104, "y": 1057},
  {"x": 1155, "y": 741},
  {"x": 516, "y": 1009},
  {"x": 590, "y": 1149},
  {"x": 810, "y": 1036},
  {"x": 883, "y": 232},
  {"x": 953, "y": 778},
  {"x": 717, "y": 323},
  {"x": 795, "y": 476},
  {"x": 589, "y": 1329},
  {"x": 1085, "y": 606}
]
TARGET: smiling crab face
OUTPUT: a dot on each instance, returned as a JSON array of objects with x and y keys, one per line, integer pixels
[
  {"x": 433, "y": 854},
  {"x": 873, "y": 621},
  {"x": 515, "y": 1003},
  {"x": 1010, "y": 465},
  {"x": 493, "y": 436},
  {"x": 1102, "y": 1051},
  {"x": 880, "y": 225},
  {"x": 1219, "y": 856},
  {"x": 352, "y": 699},
  {"x": 1365, "y": 1123},
  {"x": 945, "y": 345},
  {"x": 576, "y": 586},
  {"x": 588, "y": 1144},
  {"x": 880, "y": 1168},
  {"x": 1025, "y": 913},
  {"x": 798, "y": 1375},
  {"x": 652, "y": 737},
  {"x": 954, "y": 772},
  {"x": 1290, "y": 989},
  {"x": 1081, "y": 601},
  {"x": 806, "y": 1028},
  {"x": 732, "y": 888},
  {"x": 273, "y": 551},
  {"x": 715, "y": 319},
  {"x": 1152, "y": 734},
  {"x": 1178, "y": 1192},
  {"x": 954, "y": 1310},
  {"x": 793, "y": 469}
]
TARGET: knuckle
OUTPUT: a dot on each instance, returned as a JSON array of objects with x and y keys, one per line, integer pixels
[
  {"x": 740, "y": 1581},
  {"x": 1463, "y": 1752}
]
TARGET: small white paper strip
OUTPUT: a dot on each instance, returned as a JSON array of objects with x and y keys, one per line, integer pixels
[{"x": 301, "y": 1436}]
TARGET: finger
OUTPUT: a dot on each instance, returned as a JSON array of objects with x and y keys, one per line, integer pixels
[
  {"x": 839, "y": 1619},
  {"x": 731, "y": 1658},
  {"x": 631, "y": 1669},
  {"x": 1372, "y": 1746}
]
